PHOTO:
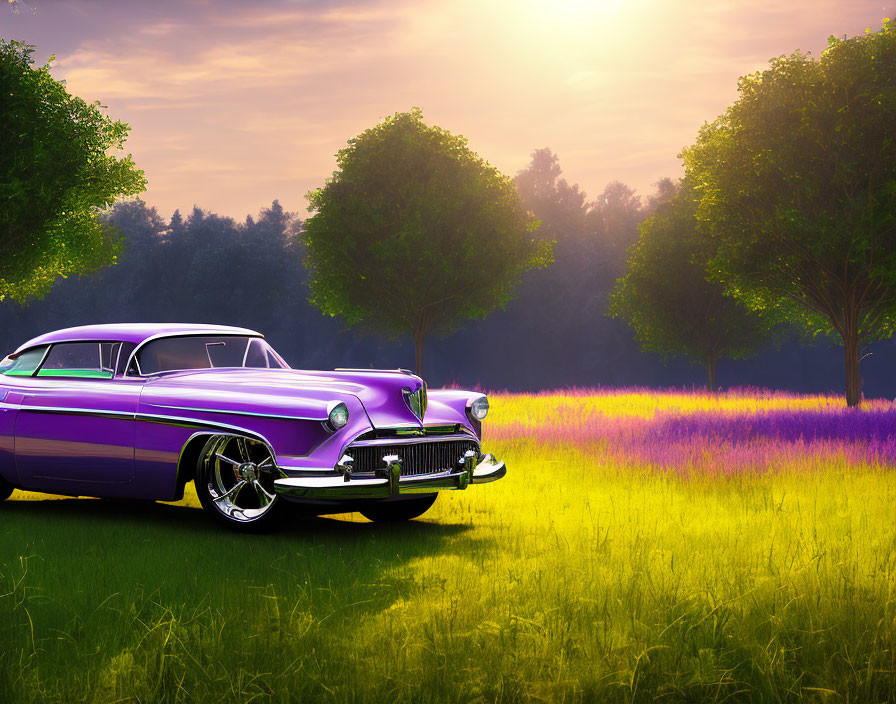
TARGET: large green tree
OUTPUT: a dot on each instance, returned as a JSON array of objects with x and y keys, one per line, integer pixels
[
  {"x": 415, "y": 233},
  {"x": 666, "y": 298},
  {"x": 797, "y": 189},
  {"x": 56, "y": 177}
]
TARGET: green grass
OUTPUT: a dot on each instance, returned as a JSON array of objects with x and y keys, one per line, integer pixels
[{"x": 571, "y": 580}]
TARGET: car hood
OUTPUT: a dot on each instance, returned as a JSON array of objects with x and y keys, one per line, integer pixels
[{"x": 288, "y": 393}]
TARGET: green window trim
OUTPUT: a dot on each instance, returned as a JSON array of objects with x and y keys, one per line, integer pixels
[{"x": 76, "y": 373}]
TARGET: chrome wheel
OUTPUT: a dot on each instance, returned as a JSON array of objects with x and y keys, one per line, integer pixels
[{"x": 238, "y": 476}]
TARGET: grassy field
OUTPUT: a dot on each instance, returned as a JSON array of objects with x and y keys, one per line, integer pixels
[{"x": 669, "y": 546}]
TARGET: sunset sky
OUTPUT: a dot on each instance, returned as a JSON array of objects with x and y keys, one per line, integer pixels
[{"x": 234, "y": 104}]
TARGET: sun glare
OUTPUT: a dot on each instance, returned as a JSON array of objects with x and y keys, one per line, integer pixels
[
  {"x": 581, "y": 9},
  {"x": 566, "y": 17},
  {"x": 569, "y": 11}
]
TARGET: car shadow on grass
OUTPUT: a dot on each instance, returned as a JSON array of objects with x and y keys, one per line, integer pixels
[
  {"x": 119, "y": 523},
  {"x": 325, "y": 564},
  {"x": 104, "y": 578},
  {"x": 293, "y": 522}
]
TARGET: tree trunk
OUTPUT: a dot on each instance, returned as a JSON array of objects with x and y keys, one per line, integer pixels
[
  {"x": 711, "y": 373},
  {"x": 418, "y": 351},
  {"x": 851, "y": 350}
]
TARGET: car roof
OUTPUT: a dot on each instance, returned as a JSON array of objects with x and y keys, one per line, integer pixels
[{"x": 132, "y": 332}]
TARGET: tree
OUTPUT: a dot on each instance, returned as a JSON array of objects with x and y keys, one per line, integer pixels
[
  {"x": 559, "y": 206},
  {"x": 415, "y": 233},
  {"x": 614, "y": 219},
  {"x": 666, "y": 298},
  {"x": 558, "y": 301},
  {"x": 55, "y": 178},
  {"x": 666, "y": 190},
  {"x": 797, "y": 190}
]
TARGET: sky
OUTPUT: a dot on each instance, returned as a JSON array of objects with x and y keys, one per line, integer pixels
[{"x": 235, "y": 104}]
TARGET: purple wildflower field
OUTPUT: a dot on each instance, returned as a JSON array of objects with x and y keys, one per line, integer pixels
[{"x": 688, "y": 432}]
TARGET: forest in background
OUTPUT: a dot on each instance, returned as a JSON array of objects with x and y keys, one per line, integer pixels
[{"x": 555, "y": 333}]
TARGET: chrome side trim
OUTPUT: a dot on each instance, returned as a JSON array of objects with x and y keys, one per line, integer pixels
[
  {"x": 238, "y": 413},
  {"x": 378, "y": 371},
  {"x": 194, "y": 423},
  {"x": 67, "y": 410},
  {"x": 145, "y": 417}
]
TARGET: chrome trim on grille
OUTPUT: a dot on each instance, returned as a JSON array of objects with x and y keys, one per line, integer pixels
[{"x": 417, "y": 455}]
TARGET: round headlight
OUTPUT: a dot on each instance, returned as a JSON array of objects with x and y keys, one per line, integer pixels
[
  {"x": 338, "y": 416},
  {"x": 479, "y": 408}
]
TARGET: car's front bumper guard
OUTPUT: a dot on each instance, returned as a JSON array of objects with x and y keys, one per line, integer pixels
[{"x": 386, "y": 482}]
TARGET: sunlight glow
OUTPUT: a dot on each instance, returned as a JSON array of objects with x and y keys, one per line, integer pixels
[
  {"x": 580, "y": 9},
  {"x": 571, "y": 14}
]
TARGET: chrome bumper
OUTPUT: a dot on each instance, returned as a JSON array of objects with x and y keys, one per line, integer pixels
[{"x": 473, "y": 469}]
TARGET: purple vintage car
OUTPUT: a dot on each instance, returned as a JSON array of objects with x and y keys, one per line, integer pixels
[{"x": 139, "y": 410}]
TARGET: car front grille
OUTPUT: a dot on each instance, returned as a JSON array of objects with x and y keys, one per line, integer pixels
[{"x": 416, "y": 458}]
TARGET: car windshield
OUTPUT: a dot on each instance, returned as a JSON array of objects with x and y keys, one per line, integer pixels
[
  {"x": 168, "y": 354},
  {"x": 23, "y": 364}
]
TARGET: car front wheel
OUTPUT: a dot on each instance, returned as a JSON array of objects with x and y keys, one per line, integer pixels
[
  {"x": 235, "y": 481},
  {"x": 401, "y": 510},
  {"x": 6, "y": 489}
]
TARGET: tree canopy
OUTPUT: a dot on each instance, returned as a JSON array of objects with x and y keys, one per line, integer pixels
[
  {"x": 56, "y": 176},
  {"x": 671, "y": 306},
  {"x": 415, "y": 233},
  {"x": 796, "y": 185}
]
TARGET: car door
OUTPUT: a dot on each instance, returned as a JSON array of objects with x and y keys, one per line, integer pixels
[
  {"x": 14, "y": 373},
  {"x": 75, "y": 422},
  {"x": 9, "y": 400}
]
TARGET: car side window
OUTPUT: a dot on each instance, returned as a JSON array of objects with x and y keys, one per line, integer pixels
[
  {"x": 87, "y": 360},
  {"x": 23, "y": 364},
  {"x": 124, "y": 353}
]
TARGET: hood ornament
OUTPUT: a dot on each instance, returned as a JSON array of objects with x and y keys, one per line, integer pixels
[{"x": 416, "y": 401}]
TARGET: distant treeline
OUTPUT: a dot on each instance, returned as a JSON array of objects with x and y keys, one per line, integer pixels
[{"x": 208, "y": 268}]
